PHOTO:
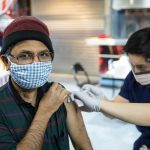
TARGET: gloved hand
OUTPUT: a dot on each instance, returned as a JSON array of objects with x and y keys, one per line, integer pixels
[
  {"x": 93, "y": 89},
  {"x": 86, "y": 101}
]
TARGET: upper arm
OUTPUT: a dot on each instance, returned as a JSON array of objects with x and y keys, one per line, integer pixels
[{"x": 76, "y": 127}]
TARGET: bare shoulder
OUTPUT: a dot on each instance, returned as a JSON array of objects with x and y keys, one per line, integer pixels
[{"x": 71, "y": 107}]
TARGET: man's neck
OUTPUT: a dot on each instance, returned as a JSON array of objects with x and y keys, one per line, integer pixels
[{"x": 28, "y": 95}]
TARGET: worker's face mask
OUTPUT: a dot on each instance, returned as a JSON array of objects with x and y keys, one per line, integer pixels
[
  {"x": 31, "y": 75},
  {"x": 143, "y": 77}
]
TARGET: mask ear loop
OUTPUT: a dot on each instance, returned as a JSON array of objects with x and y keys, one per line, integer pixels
[{"x": 7, "y": 53}]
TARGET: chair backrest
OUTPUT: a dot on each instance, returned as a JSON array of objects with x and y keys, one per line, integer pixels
[{"x": 79, "y": 70}]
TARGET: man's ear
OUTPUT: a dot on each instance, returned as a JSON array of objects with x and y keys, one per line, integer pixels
[{"x": 4, "y": 62}]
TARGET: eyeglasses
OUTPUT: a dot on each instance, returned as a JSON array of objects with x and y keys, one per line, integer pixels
[{"x": 28, "y": 57}]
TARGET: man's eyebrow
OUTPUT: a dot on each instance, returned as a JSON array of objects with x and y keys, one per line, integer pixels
[
  {"x": 140, "y": 65},
  {"x": 26, "y": 51},
  {"x": 45, "y": 50}
]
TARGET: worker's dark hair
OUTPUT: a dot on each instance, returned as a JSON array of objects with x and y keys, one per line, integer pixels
[{"x": 139, "y": 43}]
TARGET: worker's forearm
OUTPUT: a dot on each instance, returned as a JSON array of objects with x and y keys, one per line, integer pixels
[
  {"x": 136, "y": 113},
  {"x": 33, "y": 139}
]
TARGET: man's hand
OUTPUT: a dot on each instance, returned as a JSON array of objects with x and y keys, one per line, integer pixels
[
  {"x": 52, "y": 100},
  {"x": 86, "y": 101},
  {"x": 49, "y": 103}
]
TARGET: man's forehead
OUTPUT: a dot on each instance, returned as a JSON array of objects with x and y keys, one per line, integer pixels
[
  {"x": 30, "y": 45},
  {"x": 137, "y": 59}
]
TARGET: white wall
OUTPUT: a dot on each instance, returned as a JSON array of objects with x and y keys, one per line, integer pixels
[{"x": 70, "y": 22}]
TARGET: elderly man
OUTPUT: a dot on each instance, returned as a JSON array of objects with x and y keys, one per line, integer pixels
[{"x": 34, "y": 113}]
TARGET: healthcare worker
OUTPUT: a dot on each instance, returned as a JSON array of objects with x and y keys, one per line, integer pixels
[{"x": 132, "y": 104}]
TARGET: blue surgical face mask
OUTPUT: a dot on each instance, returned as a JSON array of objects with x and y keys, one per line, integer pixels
[{"x": 31, "y": 76}]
